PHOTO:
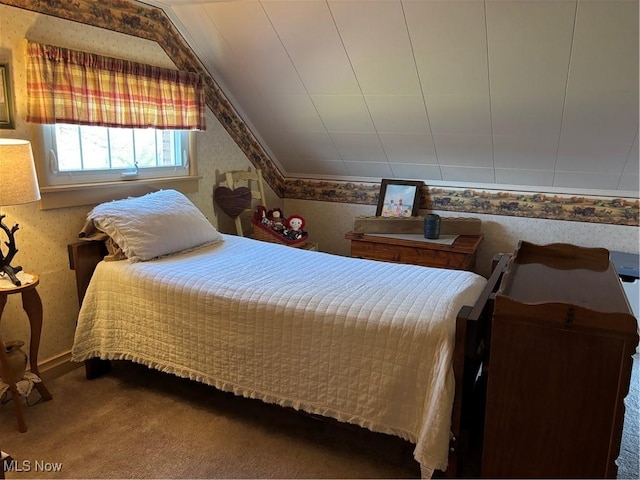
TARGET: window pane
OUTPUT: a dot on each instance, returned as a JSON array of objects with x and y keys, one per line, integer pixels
[
  {"x": 167, "y": 141},
  {"x": 121, "y": 142},
  {"x": 95, "y": 154},
  {"x": 145, "y": 147},
  {"x": 101, "y": 150},
  {"x": 68, "y": 147}
]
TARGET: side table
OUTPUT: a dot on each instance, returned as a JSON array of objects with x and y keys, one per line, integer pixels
[
  {"x": 415, "y": 250},
  {"x": 33, "y": 307}
]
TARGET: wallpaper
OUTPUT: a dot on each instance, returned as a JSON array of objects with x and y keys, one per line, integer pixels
[
  {"x": 44, "y": 234},
  {"x": 150, "y": 23},
  {"x": 328, "y": 207},
  {"x": 616, "y": 211}
]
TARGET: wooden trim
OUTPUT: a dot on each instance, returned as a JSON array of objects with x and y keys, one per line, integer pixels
[
  {"x": 95, "y": 193},
  {"x": 57, "y": 366}
]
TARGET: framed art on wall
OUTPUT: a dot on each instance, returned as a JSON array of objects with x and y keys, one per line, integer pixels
[
  {"x": 399, "y": 198},
  {"x": 6, "y": 107}
]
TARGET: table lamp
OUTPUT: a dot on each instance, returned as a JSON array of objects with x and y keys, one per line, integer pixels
[{"x": 18, "y": 184}]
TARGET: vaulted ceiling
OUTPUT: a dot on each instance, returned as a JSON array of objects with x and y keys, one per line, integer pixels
[{"x": 499, "y": 93}]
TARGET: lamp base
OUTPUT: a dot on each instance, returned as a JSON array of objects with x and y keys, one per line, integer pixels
[
  {"x": 5, "y": 260},
  {"x": 11, "y": 273}
]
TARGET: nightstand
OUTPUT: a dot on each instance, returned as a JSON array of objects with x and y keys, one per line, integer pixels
[
  {"x": 414, "y": 249},
  {"x": 33, "y": 307}
]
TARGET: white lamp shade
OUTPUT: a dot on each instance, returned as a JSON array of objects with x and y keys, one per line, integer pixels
[{"x": 18, "y": 181}]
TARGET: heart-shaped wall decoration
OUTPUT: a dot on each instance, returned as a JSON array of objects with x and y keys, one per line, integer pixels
[{"x": 233, "y": 202}]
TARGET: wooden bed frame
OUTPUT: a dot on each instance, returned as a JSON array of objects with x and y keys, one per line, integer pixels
[{"x": 470, "y": 354}]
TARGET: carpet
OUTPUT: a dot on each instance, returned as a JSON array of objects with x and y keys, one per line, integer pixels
[
  {"x": 140, "y": 423},
  {"x": 629, "y": 460}
]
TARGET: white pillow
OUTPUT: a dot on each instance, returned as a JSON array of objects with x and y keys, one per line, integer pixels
[{"x": 156, "y": 224}]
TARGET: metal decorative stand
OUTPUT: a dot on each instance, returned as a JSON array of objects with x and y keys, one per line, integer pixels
[{"x": 5, "y": 260}]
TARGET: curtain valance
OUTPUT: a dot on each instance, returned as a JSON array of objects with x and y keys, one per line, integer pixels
[{"x": 69, "y": 86}]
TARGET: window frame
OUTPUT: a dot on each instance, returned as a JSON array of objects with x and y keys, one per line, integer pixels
[{"x": 89, "y": 188}]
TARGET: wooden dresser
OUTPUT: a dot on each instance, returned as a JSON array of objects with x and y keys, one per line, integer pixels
[
  {"x": 461, "y": 255},
  {"x": 561, "y": 345}
]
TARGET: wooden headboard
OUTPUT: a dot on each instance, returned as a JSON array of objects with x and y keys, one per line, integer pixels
[{"x": 83, "y": 258}]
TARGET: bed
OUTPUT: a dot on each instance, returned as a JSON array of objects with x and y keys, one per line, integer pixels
[{"x": 364, "y": 342}]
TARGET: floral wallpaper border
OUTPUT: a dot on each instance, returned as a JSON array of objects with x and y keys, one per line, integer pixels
[
  {"x": 616, "y": 211},
  {"x": 151, "y": 23}
]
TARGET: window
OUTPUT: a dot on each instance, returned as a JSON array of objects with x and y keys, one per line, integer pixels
[
  {"x": 84, "y": 154},
  {"x": 82, "y": 164},
  {"x": 101, "y": 121}
]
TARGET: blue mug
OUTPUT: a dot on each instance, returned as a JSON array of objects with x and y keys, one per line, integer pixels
[{"x": 432, "y": 226}]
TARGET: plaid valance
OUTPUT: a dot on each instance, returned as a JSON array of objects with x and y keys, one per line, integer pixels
[{"x": 69, "y": 86}]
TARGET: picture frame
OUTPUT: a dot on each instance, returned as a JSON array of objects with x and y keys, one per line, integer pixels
[
  {"x": 399, "y": 198},
  {"x": 6, "y": 103}
]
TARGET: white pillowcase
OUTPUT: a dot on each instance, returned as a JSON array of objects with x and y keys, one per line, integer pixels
[{"x": 156, "y": 224}]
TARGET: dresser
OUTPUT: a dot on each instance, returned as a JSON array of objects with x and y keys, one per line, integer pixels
[
  {"x": 415, "y": 249},
  {"x": 562, "y": 337}
]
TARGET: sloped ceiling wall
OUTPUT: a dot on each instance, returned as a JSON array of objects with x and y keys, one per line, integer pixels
[
  {"x": 605, "y": 111},
  {"x": 504, "y": 93}
]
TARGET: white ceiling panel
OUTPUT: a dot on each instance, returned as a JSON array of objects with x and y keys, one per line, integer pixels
[
  {"x": 377, "y": 43},
  {"x": 318, "y": 167},
  {"x": 425, "y": 172},
  {"x": 408, "y": 147},
  {"x": 520, "y": 151},
  {"x": 464, "y": 150},
  {"x": 523, "y": 115},
  {"x": 310, "y": 37},
  {"x": 360, "y": 147},
  {"x": 596, "y": 136},
  {"x": 369, "y": 169},
  {"x": 314, "y": 146},
  {"x": 633, "y": 162},
  {"x": 250, "y": 36},
  {"x": 348, "y": 113},
  {"x": 468, "y": 174},
  {"x": 605, "y": 47},
  {"x": 513, "y": 176},
  {"x": 398, "y": 113},
  {"x": 529, "y": 45},
  {"x": 450, "y": 45},
  {"x": 589, "y": 180},
  {"x": 296, "y": 112},
  {"x": 517, "y": 92},
  {"x": 629, "y": 182},
  {"x": 461, "y": 114}
]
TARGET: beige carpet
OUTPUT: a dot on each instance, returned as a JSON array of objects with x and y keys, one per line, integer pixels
[
  {"x": 140, "y": 423},
  {"x": 629, "y": 460}
]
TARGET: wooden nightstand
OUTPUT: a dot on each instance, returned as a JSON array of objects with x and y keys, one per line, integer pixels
[
  {"x": 33, "y": 307},
  {"x": 416, "y": 250}
]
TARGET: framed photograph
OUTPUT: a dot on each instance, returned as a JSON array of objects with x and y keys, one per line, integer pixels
[
  {"x": 6, "y": 107},
  {"x": 399, "y": 198}
]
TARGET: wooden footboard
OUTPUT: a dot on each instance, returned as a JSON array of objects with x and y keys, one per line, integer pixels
[{"x": 470, "y": 351}]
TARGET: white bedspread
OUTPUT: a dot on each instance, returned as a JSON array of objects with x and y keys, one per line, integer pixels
[{"x": 364, "y": 342}]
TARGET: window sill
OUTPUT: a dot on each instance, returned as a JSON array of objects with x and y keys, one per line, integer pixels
[{"x": 62, "y": 196}]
